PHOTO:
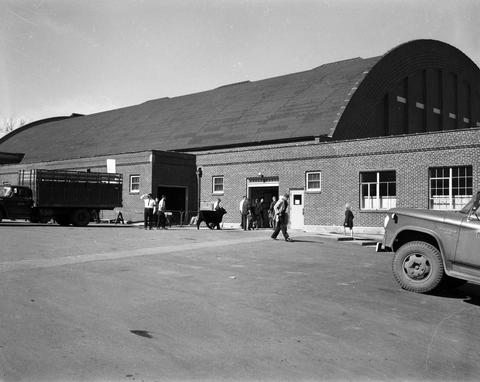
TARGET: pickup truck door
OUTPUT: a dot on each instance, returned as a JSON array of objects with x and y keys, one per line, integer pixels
[
  {"x": 19, "y": 204},
  {"x": 468, "y": 246}
]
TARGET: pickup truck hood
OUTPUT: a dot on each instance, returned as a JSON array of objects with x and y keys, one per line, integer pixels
[{"x": 433, "y": 215}]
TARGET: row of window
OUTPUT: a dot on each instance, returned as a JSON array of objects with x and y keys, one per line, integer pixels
[
  {"x": 436, "y": 110},
  {"x": 450, "y": 187}
]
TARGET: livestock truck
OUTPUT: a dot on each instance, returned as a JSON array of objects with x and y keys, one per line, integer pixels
[{"x": 68, "y": 197}]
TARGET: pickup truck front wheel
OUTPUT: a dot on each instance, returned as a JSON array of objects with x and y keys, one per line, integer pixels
[{"x": 418, "y": 267}]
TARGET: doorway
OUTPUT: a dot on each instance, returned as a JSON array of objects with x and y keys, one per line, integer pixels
[
  {"x": 176, "y": 202},
  {"x": 265, "y": 192}
]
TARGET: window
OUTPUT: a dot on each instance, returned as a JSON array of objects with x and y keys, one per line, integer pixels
[
  {"x": 313, "y": 181},
  {"x": 217, "y": 184},
  {"x": 378, "y": 190},
  {"x": 450, "y": 187},
  {"x": 134, "y": 184}
]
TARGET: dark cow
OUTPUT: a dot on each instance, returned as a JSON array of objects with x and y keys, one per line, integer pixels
[{"x": 211, "y": 218}]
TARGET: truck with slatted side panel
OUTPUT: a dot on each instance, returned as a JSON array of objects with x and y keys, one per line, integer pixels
[{"x": 68, "y": 197}]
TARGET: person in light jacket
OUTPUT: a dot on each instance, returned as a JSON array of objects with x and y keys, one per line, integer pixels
[
  {"x": 281, "y": 217},
  {"x": 162, "y": 208}
]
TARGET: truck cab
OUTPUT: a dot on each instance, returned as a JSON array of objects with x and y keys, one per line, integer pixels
[
  {"x": 434, "y": 249},
  {"x": 15, "y": 202}
]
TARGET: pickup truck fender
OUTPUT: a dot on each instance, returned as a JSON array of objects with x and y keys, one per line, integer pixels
[{"x": 423, "y": 235}]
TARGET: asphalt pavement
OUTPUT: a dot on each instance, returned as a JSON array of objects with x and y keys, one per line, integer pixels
[{"x": 117, "y": 303}]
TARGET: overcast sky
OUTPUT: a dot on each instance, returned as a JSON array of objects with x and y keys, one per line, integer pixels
[{"x": 59, "y": 57}]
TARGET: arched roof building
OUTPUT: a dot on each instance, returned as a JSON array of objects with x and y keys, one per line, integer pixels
[
  {"x": 298, "y": 106},
  {"x": 425, "y": 93}
]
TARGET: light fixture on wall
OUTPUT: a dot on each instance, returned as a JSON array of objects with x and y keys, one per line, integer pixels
[
  {"x": 199, "y": 173},
  {"x": 261, "y": 175}
]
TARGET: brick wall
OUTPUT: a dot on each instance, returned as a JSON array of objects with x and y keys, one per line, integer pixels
[{"x": 341, "y": 163}]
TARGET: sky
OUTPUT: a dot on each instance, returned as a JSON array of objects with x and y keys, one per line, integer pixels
[{"x": 59, "y": 57}]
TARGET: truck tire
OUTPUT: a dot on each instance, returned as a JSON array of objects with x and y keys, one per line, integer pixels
[
  {"x": 62, "y": 220},
  {"x": 80, "y": 217},
  {"x": 418, "y": 267},
  {"x": 34, "y": 219}
]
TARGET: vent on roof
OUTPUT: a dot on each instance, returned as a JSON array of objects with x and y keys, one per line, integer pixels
[
  {"x": 234, "y": 84},
  {"x": 339, "y": 62}
]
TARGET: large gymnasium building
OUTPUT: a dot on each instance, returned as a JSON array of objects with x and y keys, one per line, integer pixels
[{"x": 402, "y": 129}]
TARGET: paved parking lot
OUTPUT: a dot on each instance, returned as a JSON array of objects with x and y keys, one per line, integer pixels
[{"x": 120, "y": 303}]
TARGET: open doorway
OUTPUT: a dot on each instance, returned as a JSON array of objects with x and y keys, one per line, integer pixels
[
  {"x": 265, "y": 192},
  {"x": 176, "y": 202}
]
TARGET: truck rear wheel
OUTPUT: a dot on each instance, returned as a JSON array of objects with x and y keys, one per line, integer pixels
[
  {"x": 418, "y": 267},
  {"x": 62, "y": 220},
  {"x": 80, "y": 217}
]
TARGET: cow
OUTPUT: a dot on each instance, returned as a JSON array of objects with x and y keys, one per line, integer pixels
[{"x": 211, "y": 218}]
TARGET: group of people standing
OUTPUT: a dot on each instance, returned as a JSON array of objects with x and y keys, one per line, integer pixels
[
  {"x": 256, "y": 215},
  {"x": 154, "y": 212},
  {"x": 253, "y": 215}
]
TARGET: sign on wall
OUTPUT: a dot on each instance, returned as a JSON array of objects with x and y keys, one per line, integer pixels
[{"x": 111, "y": 166}]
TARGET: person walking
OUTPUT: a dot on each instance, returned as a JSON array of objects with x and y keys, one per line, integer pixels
[
  {"x": 216, "y": 205},
  {"x": 243, "y": 213},
  {"x": 348, "y": 222},
  {"x": 162, "y": 208},
  {"x": 281, "y": 217},
  {"x": 148, "y": 210}
]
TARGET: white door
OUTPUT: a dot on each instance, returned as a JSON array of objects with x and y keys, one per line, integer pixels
[{"x": 296, "y": 209}]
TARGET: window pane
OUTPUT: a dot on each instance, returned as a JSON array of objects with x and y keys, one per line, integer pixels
[
  {"x": 392, "y": 189},
  {"x": 387, "y": 176},
  {"x": 368, "y": 177},
  {"x": 450, "y": 187},
  {"x": 313, "y": 181},
  {"x": 383, "y": 189},
  {"x": 218, "y": 184}
]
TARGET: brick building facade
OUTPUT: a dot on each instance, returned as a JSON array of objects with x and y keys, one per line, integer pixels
[{"x": 411, "y": 158}]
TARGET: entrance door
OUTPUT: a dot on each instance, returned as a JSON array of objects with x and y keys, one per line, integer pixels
[
  {"x": 296, "y": 209},
  {"x": 176, "y": 202},
  {"x": 265, "y": 192}
]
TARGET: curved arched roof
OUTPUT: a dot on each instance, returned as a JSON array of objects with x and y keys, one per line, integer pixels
[
  {"x": 339, "y": 100},
  {"x": 291, "y": 107},
  {"x": 406, "y": 64}
]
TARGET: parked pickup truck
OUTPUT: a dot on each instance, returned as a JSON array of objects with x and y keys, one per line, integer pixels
[
  {"x": 68, "y": 197},
  {"x": 434, "y": 249}
]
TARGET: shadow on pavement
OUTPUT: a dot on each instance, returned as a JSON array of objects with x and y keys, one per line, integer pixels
[
  {"x": 469, "y": 293},
  {"x": 47, "y": 225}
]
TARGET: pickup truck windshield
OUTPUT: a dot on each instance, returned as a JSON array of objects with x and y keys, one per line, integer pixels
[{"x": 5, "y": 191}]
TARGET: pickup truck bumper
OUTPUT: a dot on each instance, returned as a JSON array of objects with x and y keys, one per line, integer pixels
[{"x": 380, "y": 247}]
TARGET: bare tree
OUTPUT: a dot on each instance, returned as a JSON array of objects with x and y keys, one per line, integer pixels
[{"x": 11, "y": 124}]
